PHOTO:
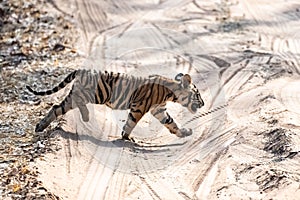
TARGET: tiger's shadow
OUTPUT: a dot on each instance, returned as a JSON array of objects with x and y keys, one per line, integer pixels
[{"x": 117, "y": 143}]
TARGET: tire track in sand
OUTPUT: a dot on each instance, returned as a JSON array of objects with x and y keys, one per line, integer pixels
[
  {"x": 210, "y": 140},
  {"x": 272, "y": 22}
]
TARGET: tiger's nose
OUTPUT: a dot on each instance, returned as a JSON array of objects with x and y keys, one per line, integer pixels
[{"x": 202, "y": 104}]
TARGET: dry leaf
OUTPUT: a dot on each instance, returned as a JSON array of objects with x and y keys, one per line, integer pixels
[{"x": 16, "y": 187}]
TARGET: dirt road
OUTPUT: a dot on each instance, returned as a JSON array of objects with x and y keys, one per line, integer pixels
[{"x": 243, "y": 55}]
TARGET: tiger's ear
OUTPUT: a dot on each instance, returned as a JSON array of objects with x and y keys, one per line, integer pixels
[
  {"x": 186, "y": 80},
  {"x": 178, "y": 77}
]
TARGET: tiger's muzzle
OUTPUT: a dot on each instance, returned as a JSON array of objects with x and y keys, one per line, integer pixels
[{"x": 196, "y": 105}]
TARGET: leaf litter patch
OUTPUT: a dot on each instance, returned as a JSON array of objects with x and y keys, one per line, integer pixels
[
  {"x": 29, "y": 33},
  {"x": 279, "y": 143},
  {"x": 271, "y": 179},
  {"x": 34, "y": 48}
]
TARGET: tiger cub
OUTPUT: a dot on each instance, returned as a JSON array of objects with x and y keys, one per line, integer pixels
[{"x": 122, "y": 91}]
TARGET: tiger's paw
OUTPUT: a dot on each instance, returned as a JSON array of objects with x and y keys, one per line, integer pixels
[
  {"x": 127, "y": 137},
  {"x": 183, "y": 132}
]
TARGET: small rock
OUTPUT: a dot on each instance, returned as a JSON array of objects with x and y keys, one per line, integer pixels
[{"x": 58, "y": 47}]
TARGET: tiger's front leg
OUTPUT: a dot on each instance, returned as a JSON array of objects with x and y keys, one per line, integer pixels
[
  {"x": 163, "y": 116},
  {"x": 134, "y": 117}
]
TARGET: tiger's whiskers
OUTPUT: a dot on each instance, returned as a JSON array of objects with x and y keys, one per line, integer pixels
[{"x": 205, "y": 113}]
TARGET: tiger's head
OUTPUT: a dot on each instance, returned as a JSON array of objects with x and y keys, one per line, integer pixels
[{"x": 187, "y": 94}]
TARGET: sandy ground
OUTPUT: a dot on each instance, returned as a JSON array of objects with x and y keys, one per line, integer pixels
[{"x": 243, "y": 55}]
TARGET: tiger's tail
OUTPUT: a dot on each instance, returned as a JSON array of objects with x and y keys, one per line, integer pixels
[{"x": 63, "y": 84}]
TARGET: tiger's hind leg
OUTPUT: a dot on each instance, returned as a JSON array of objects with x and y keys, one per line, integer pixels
[
  {"x": 70, "y": 102},
  {"x": 55, "y": 111},
  {"x": 163, "y": 116}
]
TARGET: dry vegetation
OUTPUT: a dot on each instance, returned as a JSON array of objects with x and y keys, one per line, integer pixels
[{"x": 34, "y": 47}]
